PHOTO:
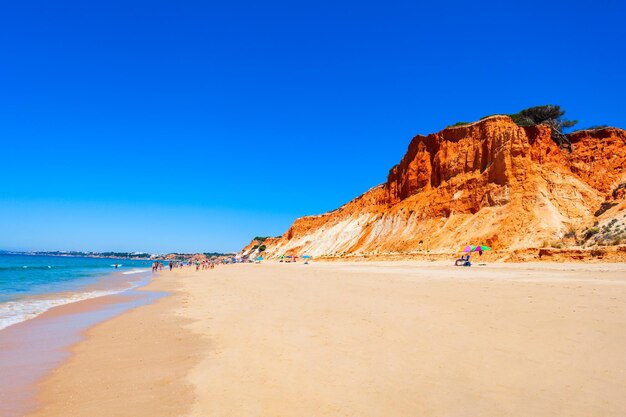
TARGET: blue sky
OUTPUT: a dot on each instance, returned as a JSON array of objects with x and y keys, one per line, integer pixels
[{"x": 195, "y": 125}]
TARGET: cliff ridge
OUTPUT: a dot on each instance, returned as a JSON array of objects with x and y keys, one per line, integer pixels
[{"x": 491, "y": 182}]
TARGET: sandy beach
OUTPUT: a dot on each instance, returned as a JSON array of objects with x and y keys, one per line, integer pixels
[{"x": 357, "y": 339}]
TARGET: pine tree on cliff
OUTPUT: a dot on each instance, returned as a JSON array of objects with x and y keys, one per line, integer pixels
[{"x": 550, "y": 115}]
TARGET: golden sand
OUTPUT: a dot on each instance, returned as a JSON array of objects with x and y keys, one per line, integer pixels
[{"x": 358, "y": 339}]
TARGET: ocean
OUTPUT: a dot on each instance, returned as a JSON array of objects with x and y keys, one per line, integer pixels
[{"x": 32, "y": 284}]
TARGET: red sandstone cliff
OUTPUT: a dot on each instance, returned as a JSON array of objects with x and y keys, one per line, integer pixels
[{"x": 490, "y": 182}]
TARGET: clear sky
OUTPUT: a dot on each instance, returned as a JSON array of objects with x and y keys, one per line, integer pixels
[{"x": 196, "y": 125}]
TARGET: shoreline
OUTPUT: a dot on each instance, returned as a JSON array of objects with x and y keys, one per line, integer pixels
[
  {"x": 31, "y": 348},
  {"x": 355, "y": 338},
  {"x": 132, "y": 361},
  {"x": 111, "y": 283}
]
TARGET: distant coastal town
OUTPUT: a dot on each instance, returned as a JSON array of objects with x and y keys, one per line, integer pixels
[{"x": 121, "y": 255}]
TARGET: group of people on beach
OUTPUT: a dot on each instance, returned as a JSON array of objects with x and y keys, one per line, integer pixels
[
  {"x": 177, "y": 264},
  {"x": 205, "y": 264}
]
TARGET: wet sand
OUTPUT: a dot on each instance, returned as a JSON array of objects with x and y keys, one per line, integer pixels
[
  {"x": 358, "y": 339},
  {"x": 30, "y": 349}
]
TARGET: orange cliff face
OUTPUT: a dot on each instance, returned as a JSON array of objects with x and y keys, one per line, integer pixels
[{"x": 491, "y": 182}]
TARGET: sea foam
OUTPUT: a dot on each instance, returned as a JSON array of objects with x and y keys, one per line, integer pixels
[
  {"x": 13, "y": 312},
  {"x": 32, "y": 284},
  {"x": 16, "y": 311},
  {"x": 135, "y": 271}
]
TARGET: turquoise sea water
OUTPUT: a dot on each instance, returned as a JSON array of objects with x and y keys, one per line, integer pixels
[{"x": 30, "y": 285}]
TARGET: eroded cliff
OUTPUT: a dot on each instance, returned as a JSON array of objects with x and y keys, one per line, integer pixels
[{"x": 491, "y": 182}]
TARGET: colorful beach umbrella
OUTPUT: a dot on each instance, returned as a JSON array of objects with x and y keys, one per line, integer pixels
[
  {"x": 259, "y": 258},
  {"x": 473, "y": 248},
  {"x": 306, "y": 257},
  {"x": 481, "y": 248}
]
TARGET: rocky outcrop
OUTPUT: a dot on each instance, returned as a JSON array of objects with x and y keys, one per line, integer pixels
[
  {"x": 598, "y": 158},
  {"x": 490, "y": 182}
]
